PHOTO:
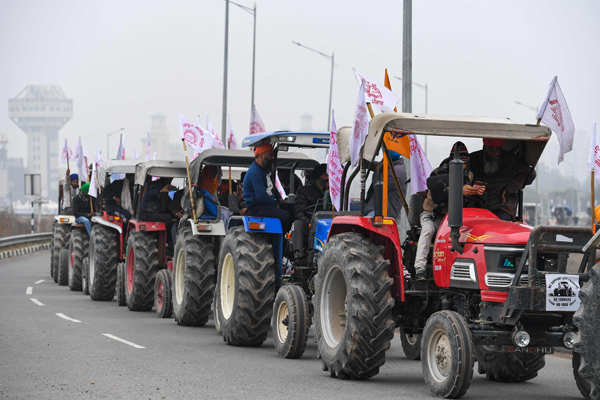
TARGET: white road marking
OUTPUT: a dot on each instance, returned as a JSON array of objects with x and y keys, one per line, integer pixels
[
  {"x": 38, "y": 282},
  {"x": 29, "y": 291},
  {"x": 36, "y": 301},
  {"x": 127, "y": 342},
  {"x": 66, "y": 317}
]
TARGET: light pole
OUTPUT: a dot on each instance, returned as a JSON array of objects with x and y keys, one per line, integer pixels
[
  {"x": 425, "y": 87},
  {"x": 109, "y": 134},
  {"x": 407, "y": 56},
  {"x": 251, "y": 11},
  {"x": 331, "y": 57},
  {"x": 226, "y": 51}
]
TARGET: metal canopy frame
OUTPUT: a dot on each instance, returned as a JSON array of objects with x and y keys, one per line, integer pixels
[
  {"x": 289, "y": 138},
  {"x": 160, "y": 168}
]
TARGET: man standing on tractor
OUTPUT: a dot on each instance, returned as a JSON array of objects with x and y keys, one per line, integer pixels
[
  {"x": 258, "y": 187},
  {"x": 435, "y": 204}
]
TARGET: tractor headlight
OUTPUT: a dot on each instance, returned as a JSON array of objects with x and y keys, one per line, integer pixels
[
  {"x": 569, "y": 340},
  {"x": 521, "y": 338}
]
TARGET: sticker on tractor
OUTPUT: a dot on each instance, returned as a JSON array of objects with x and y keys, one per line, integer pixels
[{"x": 562, "y": 292}]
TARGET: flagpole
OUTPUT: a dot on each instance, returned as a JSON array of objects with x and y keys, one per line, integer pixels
[
  {"x": 225, "y": 61},
  {"x": 593, "y": 200},
  {"x": 189, "y": 179}
]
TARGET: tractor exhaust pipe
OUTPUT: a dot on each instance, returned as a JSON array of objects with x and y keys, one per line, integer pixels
[{"x": 455, "y": 202}]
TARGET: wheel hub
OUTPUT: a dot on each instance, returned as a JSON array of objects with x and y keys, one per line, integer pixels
[
  {"x": 180, "y": 276},
  {"x": 282, "y": 322},
  {"x": 333, "y": 308},
  {"x": 440, "y": 356},
  {"x": 227, "y": 287}
]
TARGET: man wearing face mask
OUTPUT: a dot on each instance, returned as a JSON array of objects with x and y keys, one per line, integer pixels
[{"x": 259, "y": 189}]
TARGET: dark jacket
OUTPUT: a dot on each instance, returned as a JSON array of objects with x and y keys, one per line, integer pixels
[
  {"x": 306, "y": 201},
  {"x": 81, "y": 205},
  {"x": 258, "y": 187}
]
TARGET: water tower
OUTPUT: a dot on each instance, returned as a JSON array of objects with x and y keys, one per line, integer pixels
[{"x": 41, "y": 111}]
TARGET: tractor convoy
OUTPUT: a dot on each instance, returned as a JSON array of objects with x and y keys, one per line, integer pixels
[{"x": 191, "y": 243}]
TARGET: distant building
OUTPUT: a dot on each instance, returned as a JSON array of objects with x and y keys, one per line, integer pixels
[
  {"x": 41, "y": 111},
  {"x": 159, "y": 135},
  {"x": 306, "y": 122},
  {"x": 12, "y": 171}
]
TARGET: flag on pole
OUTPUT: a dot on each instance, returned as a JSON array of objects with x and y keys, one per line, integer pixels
[
  {"x": 555, "y": 114},
  {"x": 399, "y": 144},
  {"x": 216, "y": 141},
  {"x": 231, "y": 143},
  {"x": 99, "y": 158},
  {"x": 66, "y": 153},
  {"x": 121, "y": 150},
  {"x": 193, "y": 135},
  {"x": 595, "y": 154},
  {"x": 80, "y": 158},
  {"x": 420, "y": 169},
  {"x": 256, "y": 123},
  {"x": 148, "y": 145},
  {"x": 93, "y": 190},
  {"x": 380, "y": 96},
  {"x": 334, "y": 166},
  {"x": 361, "y": 125}
]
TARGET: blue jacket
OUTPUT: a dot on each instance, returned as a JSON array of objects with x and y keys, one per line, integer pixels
[
  {"x": 258, "y": 190},
  {"x": 211, "y": 208}
]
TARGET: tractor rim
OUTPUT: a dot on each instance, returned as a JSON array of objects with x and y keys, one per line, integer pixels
[
  {"x": 227, "y": 287},
  {"x": 283, "y": 315},
  {"x": 333, "y": 306},
  {"x": 130, "y": 262},
  {"x": 411, "y": 338},
  {"x": 180, "y": 276},
  {"x": 439, "y": 354}
]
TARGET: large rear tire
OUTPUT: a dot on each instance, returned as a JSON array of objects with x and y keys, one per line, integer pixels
[
  {"x": 194, "y": 278},
  {"x": 60, "y": 241},
  {"x": 140, "y": 270},
  {"x": 104, "y": 256},
  {"x": 79, "y": 251},
  {"x": 246, "y": 286},
  {"x": 353, "y": 310},
  {"x": 411, "y": 344},
  {"x": 162, "y": 294},
  {"x": 509, "y": 367},
  {"x": 447, "y": 354},
  {"x": 587, "y": 346},
  {"x": 63, "y": 266},
  {"x": 290, "y": 322}
]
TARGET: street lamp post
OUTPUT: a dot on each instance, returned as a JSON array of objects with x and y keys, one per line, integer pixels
[
  {"x": 225, "y": 56},
  {"x": 251, "y": 11},
  {"x": 529, "y": 106},
  {"x": 332, "y": 58}
]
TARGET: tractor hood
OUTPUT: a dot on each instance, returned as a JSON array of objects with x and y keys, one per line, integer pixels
[{"x": 483, "y": 226}]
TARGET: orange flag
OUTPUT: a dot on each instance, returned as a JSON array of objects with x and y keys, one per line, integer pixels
[{"x": 400, "y": 145}]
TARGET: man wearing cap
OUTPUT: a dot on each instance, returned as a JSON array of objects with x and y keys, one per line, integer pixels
[
  {"x": 502, "y": 166},
  {"x": 259, "y": 188},
  {"x": 81, "y": 208}
]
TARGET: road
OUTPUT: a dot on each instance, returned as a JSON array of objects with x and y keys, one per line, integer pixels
[{"x": 66, "y": 356}]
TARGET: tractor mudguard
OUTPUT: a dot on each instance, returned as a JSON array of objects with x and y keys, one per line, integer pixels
[
  {"x": 146, "y": 226},
  {"x": 65, "y": 219},
  {"x": 262, "y": 225},
  {"x": 207, "y": 228},
  {"x": 108, "y": 224},
  {"x": 321, "y": 234}
]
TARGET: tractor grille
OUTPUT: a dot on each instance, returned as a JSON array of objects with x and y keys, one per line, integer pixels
[
  {"x": 499, "y": 279},
  {"x": 463, "y": 271}
]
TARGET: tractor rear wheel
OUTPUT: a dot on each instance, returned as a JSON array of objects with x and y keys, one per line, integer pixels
[
  {"x": 194, "y": 278},
  {"x": 509, "y": 367},
  {"x": 63, "y": 266},
  {"x": 140, "y": 271},
  {"x": 85, "y": 276},
  {"x": 411, "y": 344},
  {"x": 79, "y": 250},
  {"x": 215, "y": 312},
  {"x": 587, "y": 346},
  {"x": 104, "y": 256},
  {"x": 353, "y": 310},
  {"x": 52, "y": 261},
  {"x": 59, "y": 241},
  {"x": 246, "y": 286},
  {"x": 290, "y": 322},
  {"x": 447, "y": 354},
  {"x": 121, "y": 299},
  {"x": 162, "y": 294}
]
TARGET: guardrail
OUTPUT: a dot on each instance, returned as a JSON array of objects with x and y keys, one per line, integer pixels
[{"x": 11, "y": 246}]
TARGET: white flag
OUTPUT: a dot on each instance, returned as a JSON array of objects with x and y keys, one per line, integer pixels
[
  {"x": 66, "y": 153},
  {"x": 334, "y": 166},
  {"x": 256, "y": 123},
  {"x": 420, "y": 169},
  {"x": 93, "y": 190},
  {"x": 555, "y": 114},
  {"x": 99, "y": 158},
  {"x": 361, "y": 125},
  {"x": 193, "y": 135},
  {"x": 381, "y": 98},
  {"x": 148, "y": 146},
  {"x": 595, "y": 154},
  {"x": 231, "y": 142},
  {"x": 121, "y": 150},
  {"x": 279, "y": 187},
  {"x": 80, "y": 158},
  {"x": 216, "y": 142}
]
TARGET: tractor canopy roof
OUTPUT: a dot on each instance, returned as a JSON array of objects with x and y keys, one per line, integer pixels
[
  {"x": 400, "y": 124},
  {"x": 160, "y": 168},
  {"x": 243, "y": 159},
  {"x": 290, "y": 139},
  {"x": 118, "y": 167}
]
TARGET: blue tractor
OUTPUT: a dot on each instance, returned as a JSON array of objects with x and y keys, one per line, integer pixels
[{"x": 262, "y": 281}]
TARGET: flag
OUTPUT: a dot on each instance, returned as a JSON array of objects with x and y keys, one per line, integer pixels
[
  {"x": 400, "y": 145},
  {"x": 381, "y": 98},
  {"x": 80, "y": 158},
  {"x": 135, "y": 155},
  {"x": 121, "y": 150},
  {"x": 334, "y": 166},
  {"x": 420, "y": 169},
  {"x": 361, "y": 125},
  {"x": 555, "y": 114},
  {"x": 66, "y": 153},
  {"x": 256, "y": 123},
  {"x": 231, "y": 143},
  {"x": 193, "y": 135},
  {"x": 595, "y": 154},
  {"x": 93, "y": 190},
  {"x": 279, "y": 187},
  {"x": 148, "y": 146},
  {"x": 99, "y": 158},
  {"x": 217, "y": 143}
]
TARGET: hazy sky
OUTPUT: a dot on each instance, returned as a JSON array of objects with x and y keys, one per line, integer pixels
[{"x": 121, "y": 61}]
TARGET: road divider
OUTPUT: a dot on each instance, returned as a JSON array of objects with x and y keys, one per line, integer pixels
[
  {"x": 38, "y": 282},
  {"x": 127, "y": 342},
  {"x": 67, "y": 318},
  {"x": 29, "y": 291},
  {"x": 36, "y": 302}
]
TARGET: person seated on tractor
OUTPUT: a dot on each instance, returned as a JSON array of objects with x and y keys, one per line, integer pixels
[
  {"x": 505, "y": 174},
  {"x": 116, "y": 196},
  {"x": 235, "y": 201},
  {"x": 208, "y": 184},
  {"x": 74, "y": 178},
  {"x": 82, "y": 208},
  {"x": 155, "y": 206},
  {"x": 314, "y": 196},
  {"x": 259, "y": 188},
  {"x": 435, "y": 203},
  {"x": 395, "y": 203}
]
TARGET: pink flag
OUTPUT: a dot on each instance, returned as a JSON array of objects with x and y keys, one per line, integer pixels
[
  {"x": 231, "y": 143},
  {"x": 193, "y": 135},
  {"x": 66, "y": 153},
  {"x": 279, "y": 187},
  {"x": 216, "y": 141},
  {"x": 334, "y": 166},
  {"x": 420, "y": 169},
  {"x": 381, "y": 98},
  {"x": 361, "y": 125},
  {"x": 555, "y": 114},
  {"x": 256, "y": 123}
]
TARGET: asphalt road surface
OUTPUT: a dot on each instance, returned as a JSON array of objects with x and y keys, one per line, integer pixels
[{"x": 58, "y": 344}]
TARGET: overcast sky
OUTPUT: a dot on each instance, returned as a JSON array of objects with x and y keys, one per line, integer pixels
[{"x": 121, "y": 61}]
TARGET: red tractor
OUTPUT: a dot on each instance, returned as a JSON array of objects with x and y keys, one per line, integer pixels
[{"x": 489, "y": 293}]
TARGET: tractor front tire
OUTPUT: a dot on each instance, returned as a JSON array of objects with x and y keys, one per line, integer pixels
[
  {"x": 587, "y": 346},
  {"x": 246, "y": 286},
  {"x": 290, "y": 322},
  {"x": 63, "y": 266},
  {"x": 447, "y": 354},
  {"x": 79, "y": 250},
  {"x": 194, "y": 278},
  {"x": 162, "y": 294},
  {"x": 104, "y": 256},
  {"x": 140, "y": 272},
  {"x": 509, "y": 367},
  {"x": 353, "y": 310}
]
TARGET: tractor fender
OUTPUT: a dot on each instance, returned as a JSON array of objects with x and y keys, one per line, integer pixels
[
  {"x": 207, "y": 228},
  {"x": 110, "y": 225},
  {"x": 147, "y": 226},
  {"x": 65, "y": 219},
  {"x": 385, "y": 234},
  {"x": 262, "y": 225}
]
